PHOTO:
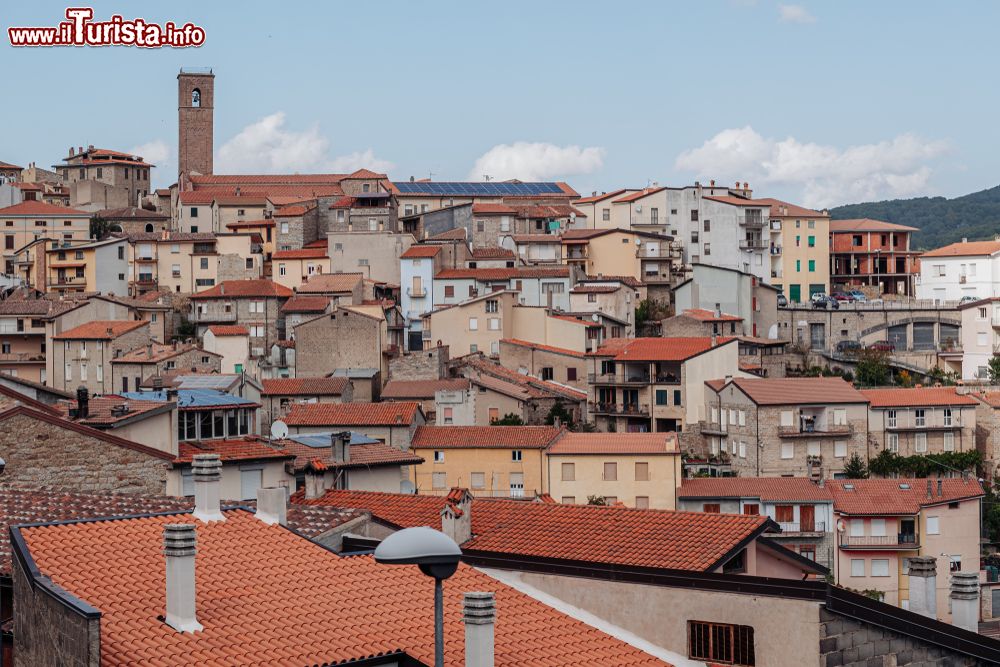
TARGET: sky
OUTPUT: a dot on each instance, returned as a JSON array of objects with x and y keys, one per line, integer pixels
[{"x": 818, "y": 103}]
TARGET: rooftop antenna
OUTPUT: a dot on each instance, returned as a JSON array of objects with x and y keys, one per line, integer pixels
[{"x": 487, "y": 177}]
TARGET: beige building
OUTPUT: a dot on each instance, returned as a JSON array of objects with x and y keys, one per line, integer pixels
[
  {"x": 641, "y": 255},
  {"x": 393, "y": 423},
  {"x": 799, "y": 246},
  {"x": 769, "y": 427},
  {"x": 83, "y": 354},
  {"x": 96, "y": 266},
  {"x": 641, "y": 470},
  {"x": 346, "y": 337},
  {"x": 925, "y": 420},
  {"x": 558, "y": 364},
  {"x": 292, "y": 268},
  {"x": 185, "y": 263},
  {"x": 29, "y": 221},
  {"x": 131, "y": 369},
  {"x": 253, "y": 303},
  {"x": 615, "y": 297},
  {"x": 104, "y": 178},
  {"x": 231, "y": 342},
  {"x": 374, "y": 254}
]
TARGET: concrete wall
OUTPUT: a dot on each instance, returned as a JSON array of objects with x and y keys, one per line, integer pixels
[
  {"x": 340, "y": 339},
  {"x": 375, "y": 254},
  {"x": 495, "y": 465},
  {"x": 659, "y": 490}
]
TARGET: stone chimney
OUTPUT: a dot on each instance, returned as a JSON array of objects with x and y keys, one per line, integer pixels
[
  {"x": 315, "y": 481},
  {"x": 923, "y": 586},
  {"x": 207, "y": 470},
  {"x": 82, "y": 403},
  {"x": 456, "y": 517},
  {"x": 179, "y": 547},
  {"x": 479, "y": 614},
  {"x": 965, "y": 600},
  {"x": 341, "y": 443},
  {"x": 272, "y": 505}
]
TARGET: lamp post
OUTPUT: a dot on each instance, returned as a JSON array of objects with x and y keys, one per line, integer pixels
[{"x": 437, "y": 555}]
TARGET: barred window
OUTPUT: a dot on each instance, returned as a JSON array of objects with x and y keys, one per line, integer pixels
[{"x": 721, "y": 642}]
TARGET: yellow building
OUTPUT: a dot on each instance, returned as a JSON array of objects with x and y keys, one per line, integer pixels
[
  {"x": 641, "y": 470},
  {"x": 29, "y": 221},
  {"x": 504, "y": 461},
  {"x": 98, "y": 266},
  {"x": 644, "y": 256},
  {"x": 800, "y": 250},
  {"x": 291, "y": 268}
]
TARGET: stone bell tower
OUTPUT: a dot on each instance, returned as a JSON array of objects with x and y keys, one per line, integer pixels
[{"x": 195, "y": 106}]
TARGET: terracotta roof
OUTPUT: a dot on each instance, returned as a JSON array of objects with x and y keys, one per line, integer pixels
[
  {"x": 131, "y": 213},
  {"x": 544, "y": 348},
  {"x": 100, "y": 410},
  {"x": 902, "y": 398},
  {"x": 8, "y": 165},
  {"x": 492, "y": 253},
  {"x": 783, "y": 209},
  {"x": 518, "y": 391},
  {"x": 961, "y": 249},
  {"x": 990, "y": 398},
  {"x": 867, "y": 225},
  {"x": 493, "y": 209},
  {"x": 250, "y": 448},
  {"x": 794, "y": 391},
  {"x": 418, "y": 389},
  {"x": 900, "y": 496},
  {"x": 420, "y": 251},
  {"x": 365, "y": 174},
  {"x": 292, "y": 211},
  {"x": 41, "y": 209},
  {"x": 396, "y": 509},
  {"x": 333, "y": 386},
  {"x": 767, "y": 489},
  {"x": 735, "y": 201},
  {"x": 594, "y": 289},
  {"x": 534, "y": 386},
  {"x": 340, "y": 615},
  {"x": 330, "y": 283},
  {"x": 266, "y": 179},
  {"x": 484, "y": 437},
  {"x": 400, "y": 413},
  {"x": 536, "y": 238},
  {"x": 456, "y": 234},
  {"x": 596, "y": 198},
  {"x": 615, "y": 443},
  {"x": 250, "y": 224},
  {"x": 503, "y": 273},
  {"x": 631, "y": 197},
  {"x": 160, "y": 352},
  {"x": 100, "y": 330},
  {"x": 306, "y": 304},
  {"x": 576, "y": 320},
  {"x": 301, "y": 253},
  {"x": 631, "y": 281},
  {"x": 229, "y": 330},
  {"x": 260, "y": 287},
  {"x": 658, "y": 349},
  {"x": 703, "y": 315},
  {"x": 362, "y": 455}
]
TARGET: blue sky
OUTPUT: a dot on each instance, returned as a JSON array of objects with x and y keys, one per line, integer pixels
[{"x": 818, "y": 102}]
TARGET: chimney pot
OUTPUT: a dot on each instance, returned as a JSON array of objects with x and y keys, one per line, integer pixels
[
  {"x": 965, "y": 600},
  {"x": 82, "y": 402},
  {"x": 272, "y": 505},
  {"x": 207, "y": 469},
  {"x": 923, "y": 585},
  {"x": 479, "y": 615},
  {"x": 179, "y": 548}
]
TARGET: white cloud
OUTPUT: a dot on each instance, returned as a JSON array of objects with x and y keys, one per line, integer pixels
[
  {"x": 161, "y": 154},
  {"x": 795, "y": 14},
  {"x": 267, "y": 146},
  {"x": 823, "y": 175},
  {"x": 536, "y": 161}
]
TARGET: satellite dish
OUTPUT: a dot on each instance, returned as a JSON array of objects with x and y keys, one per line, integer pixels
[
  {"x": 406, "y": 487},
  {"x": 279, "y": 430},
  {"x": 638, "y": 241},
  {"x": 638, "y": 208},
  {"x": 595, "y": 317}
]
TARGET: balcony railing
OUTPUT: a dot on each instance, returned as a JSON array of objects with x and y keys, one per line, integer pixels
[
  {"x": 416, "y": 292},
  {"x": 807, "y": 431},
  {"x": 753, "y": 223},
  {"x": 896, "y": 540},
  {"x": 213, "y": 316},
  {"x": 800, "y": 527},
  {"x": 753, "y": 244},
  {"x": 776, "y": 250},
  {"x": 614, "y": 378},
  {"x": 626, "y": 409},
  {"x": 71, "y": 280}
]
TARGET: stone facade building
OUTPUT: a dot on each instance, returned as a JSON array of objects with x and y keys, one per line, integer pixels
[
  {"x": 195, "y": 122},
  {"x": 347, "y": 337},
  {"x": 83, "y": 356},
  {"x": 155, "y": 359},
  {"x": 925, "y": 420},
  {"x": 560, "y": 364},
  {"x": 96, "y": 169},
  {"x": 253, "y": 303}
]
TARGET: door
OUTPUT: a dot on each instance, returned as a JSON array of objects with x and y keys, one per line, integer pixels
[
  {"x": 795, "y": 293},
  {"x": 807, "y": 518}
]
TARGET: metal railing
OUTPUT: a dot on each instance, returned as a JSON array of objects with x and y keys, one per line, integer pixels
[
  {"x": 753, "y": 244},
  {"x": 613, "y": 378},
  {"x": 799, "y": 527},
  {"x": 416, "y": 292},
  {"x": 627, "y": 409},
  {"x": 906, "y": 540}
]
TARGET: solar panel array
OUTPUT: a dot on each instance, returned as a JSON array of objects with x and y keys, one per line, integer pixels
[
  {"x": 470, "y": 189},
  {"x": 221, "y": 382}
]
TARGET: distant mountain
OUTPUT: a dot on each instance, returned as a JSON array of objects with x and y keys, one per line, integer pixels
[{"x": 941, "y": 221}]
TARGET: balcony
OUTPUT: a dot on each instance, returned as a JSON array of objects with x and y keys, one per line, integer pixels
[
  {"x": 894, "y": 541},
  {"x": 714, "y": 429},
  {"x": 626, "y": 409},
  {"x": 145, "y": 259},
  {"x": 775, "y": 274},
  {"x": 70, "y": 280},
  {"x": 776, "y": 250},
  {"x": 416, "y": 292},
  {"x": 214, "y": 317},
  {"x": 807, "y": 431},
  {"x": 752, "y": 222},
  {"x": 800, "y": 527},
  {"x": 753, "y": 244},
  {"x": 632, "y": 378}
]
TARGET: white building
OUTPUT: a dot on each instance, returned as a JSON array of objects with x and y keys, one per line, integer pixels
[
  {"x": 959, "y": 270},
  {"x": 980, "y": 337},
  {"x": 536, "y": 286},
  {"x": 416, "y": 276}
]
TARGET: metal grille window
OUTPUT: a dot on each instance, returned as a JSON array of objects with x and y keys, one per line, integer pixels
[{"x": 721, "y": 642}]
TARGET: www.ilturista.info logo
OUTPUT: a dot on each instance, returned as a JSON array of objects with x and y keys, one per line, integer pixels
[{"x": 80, "y": 30}]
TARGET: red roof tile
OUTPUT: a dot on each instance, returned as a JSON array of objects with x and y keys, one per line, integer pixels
[
  {"x": 101, "y": 330},
  {"x": 366, "y": 174},
  {"x": 703, "y": 315},
  {"x": 418, "y": 389},
  {"x": 301, "y": 253},
  {"x": 100, "y": 414},
  {"x": 292, "y": 211},
  {"x": 781, "y": 209},
  {"x": 333, "y": 386},
  {"x": 544, "y": 348},
  {"x": 456, "y": 234},
  {"x": 271, "y": 597},
  {"x": 362, "y": 456},
  {"x": 250, "y": 448},
  {"x": 892, "y": 497},
  {"x": 492, "y": 253},
  {"x": 503, "y": 273},
  {"x": 33, "y": 208},
  {"x": 645, "y": 192},
  {"x": 306, "y": 304},
  {"x": 961, "y": 249},
  {"x": 615, "y": 443},
  {"x": 658, "y": 349},
  {"x": 767, "y": 489},
  {"x": 159, "y": 352},
  {"x": 229, "y": 330},
  {"x": 401, "y": 413},
  {"x": 796, "y": 391},
  {"x": 330, "y": 283},
  {"x": 420, "y": 251},
  {"x": 902, "y": 398},
  {"x": 484, "y": 437},
  {"x": 234, "y": 289},
  {"x": 250, "y": 224},
  {"x": 492, "y": 209},
  {"x": 867, "y": 225},
  {"x": 600, "y": 197},
  {"x": 735, "y": 201}
]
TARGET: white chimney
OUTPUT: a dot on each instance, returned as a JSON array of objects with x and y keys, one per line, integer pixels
[
  {"x": 179, "y": 546},
  {"x": 479, "y": 613},
  {"x": 207, "y": 470},
  {"x": 272, "y": 505},
  {"x": 965, "y": 600},
  {"x": 315, "y": 482},
  {"x": 456, "y": 516},
  {"x": 923, "y": 586}
]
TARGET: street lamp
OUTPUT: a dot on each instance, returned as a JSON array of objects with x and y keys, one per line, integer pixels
[{"x": 437, "y": 555}]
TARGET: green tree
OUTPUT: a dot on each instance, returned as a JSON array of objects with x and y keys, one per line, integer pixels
[
  {"x": 993, "y": 367},
  {"x": 855, "y": 467},
  {"x": 99, "y": 228},
  {"x": 991, "y": 511},
  {"x": 597, "y": 500},
  {"x": 509, "y": 419},
  {"x": 872, "y": 369},
  {"x": 559, "y": 411}
]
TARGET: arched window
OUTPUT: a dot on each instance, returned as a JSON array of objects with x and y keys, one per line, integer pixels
[
  {"x": 149, "y": 226},
  {"x": 196, "y": 97}
]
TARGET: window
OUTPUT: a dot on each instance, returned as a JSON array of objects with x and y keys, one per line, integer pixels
[
  {"x": 949, "y": 442},
  {"x": 194, "y": 211},
  {"x": 920, "y": 443},
  {"x": 570, "y": 375},
  {"x": 250, "y": 481},
  {"x": 892, "y": 442},
  {"x": 808, "y": 551},
  {"x": 439, "y": 480},
  {"x": 840, "y": 417},
  {"x": 516, "y": 455},
  {"x": 493, "y": 323},
  {"x": 569, "y": 472},
  {"x": 933, "y": 527},
  {"x": 605, "y": 214},
  {"x": 751, "y": 509},
  {"x": 449, "y": 291},
  {"x": 438, "y": 456},
  {"x": 610, "y": 500},
  {"x": 840, "y": 449},
  {"x": 721, "y": 642},
  {"x": 812, "y": 265},
  {"x": 642, "y": 472},
  {"x": 812, "y": 244},
  {"x": 878, "y": 527},
  {"x": 890, "y": 418},
  {"x": 662, "y": 397},
  {"x": 880, "y": 567},
  {"x": 857, "y": 527},
  {"x": 708, "y": 249},
  {"x": 955, "y": 564},
  {"x": 787, "y": 419},
  {"x": 642, "y": 502},
  {"x": 473, "y": 324},
  {"x": 919, "y": 417},
  {"x": 787, "y": 450},
  {"x": 492, "y": 306},
  {"x": 857, "y": 567},
  {"x": 448, "y": 415},
  {"x": 204, "y": 263},
  {"x": 83, "y": 371},
  {"x": 610, "y": 472},
  {"x": 568, "y": 500},
  {"x": 947, "y": 416},
  {"x": 478, "y": 480},
  {"x": 711, "y": 508},
  {"x": 282, "y": 270},
  {"x": 284, "y": 228},
  {"x": 516, "y": 485},
  {"x": 677, "y": 397}
]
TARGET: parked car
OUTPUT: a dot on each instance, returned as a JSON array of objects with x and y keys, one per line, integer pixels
[
  {"x": 858, "y": 295},
  {"x": 826, "y": 302},
  {"x": 883, "y": 346},
  {"x": 782, "y": 301},
  {"x": 848, "y": 347},
  {"x": 968, "y": 298},
  {"x": 818, "y": 296},
  {"x": 842, "y": 296}
]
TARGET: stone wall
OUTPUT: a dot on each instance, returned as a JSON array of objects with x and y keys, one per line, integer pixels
[
  {"x": 850, "y": 643},
  {"x": 42, "y": 453},
  {"x": 429, "y": 364},
  {"x": 337, "y": 341}
]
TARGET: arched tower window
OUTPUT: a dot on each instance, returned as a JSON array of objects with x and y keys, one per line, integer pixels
[
  {"x": 196, "y": 97},
  {"x": 149, "y": 226}
]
